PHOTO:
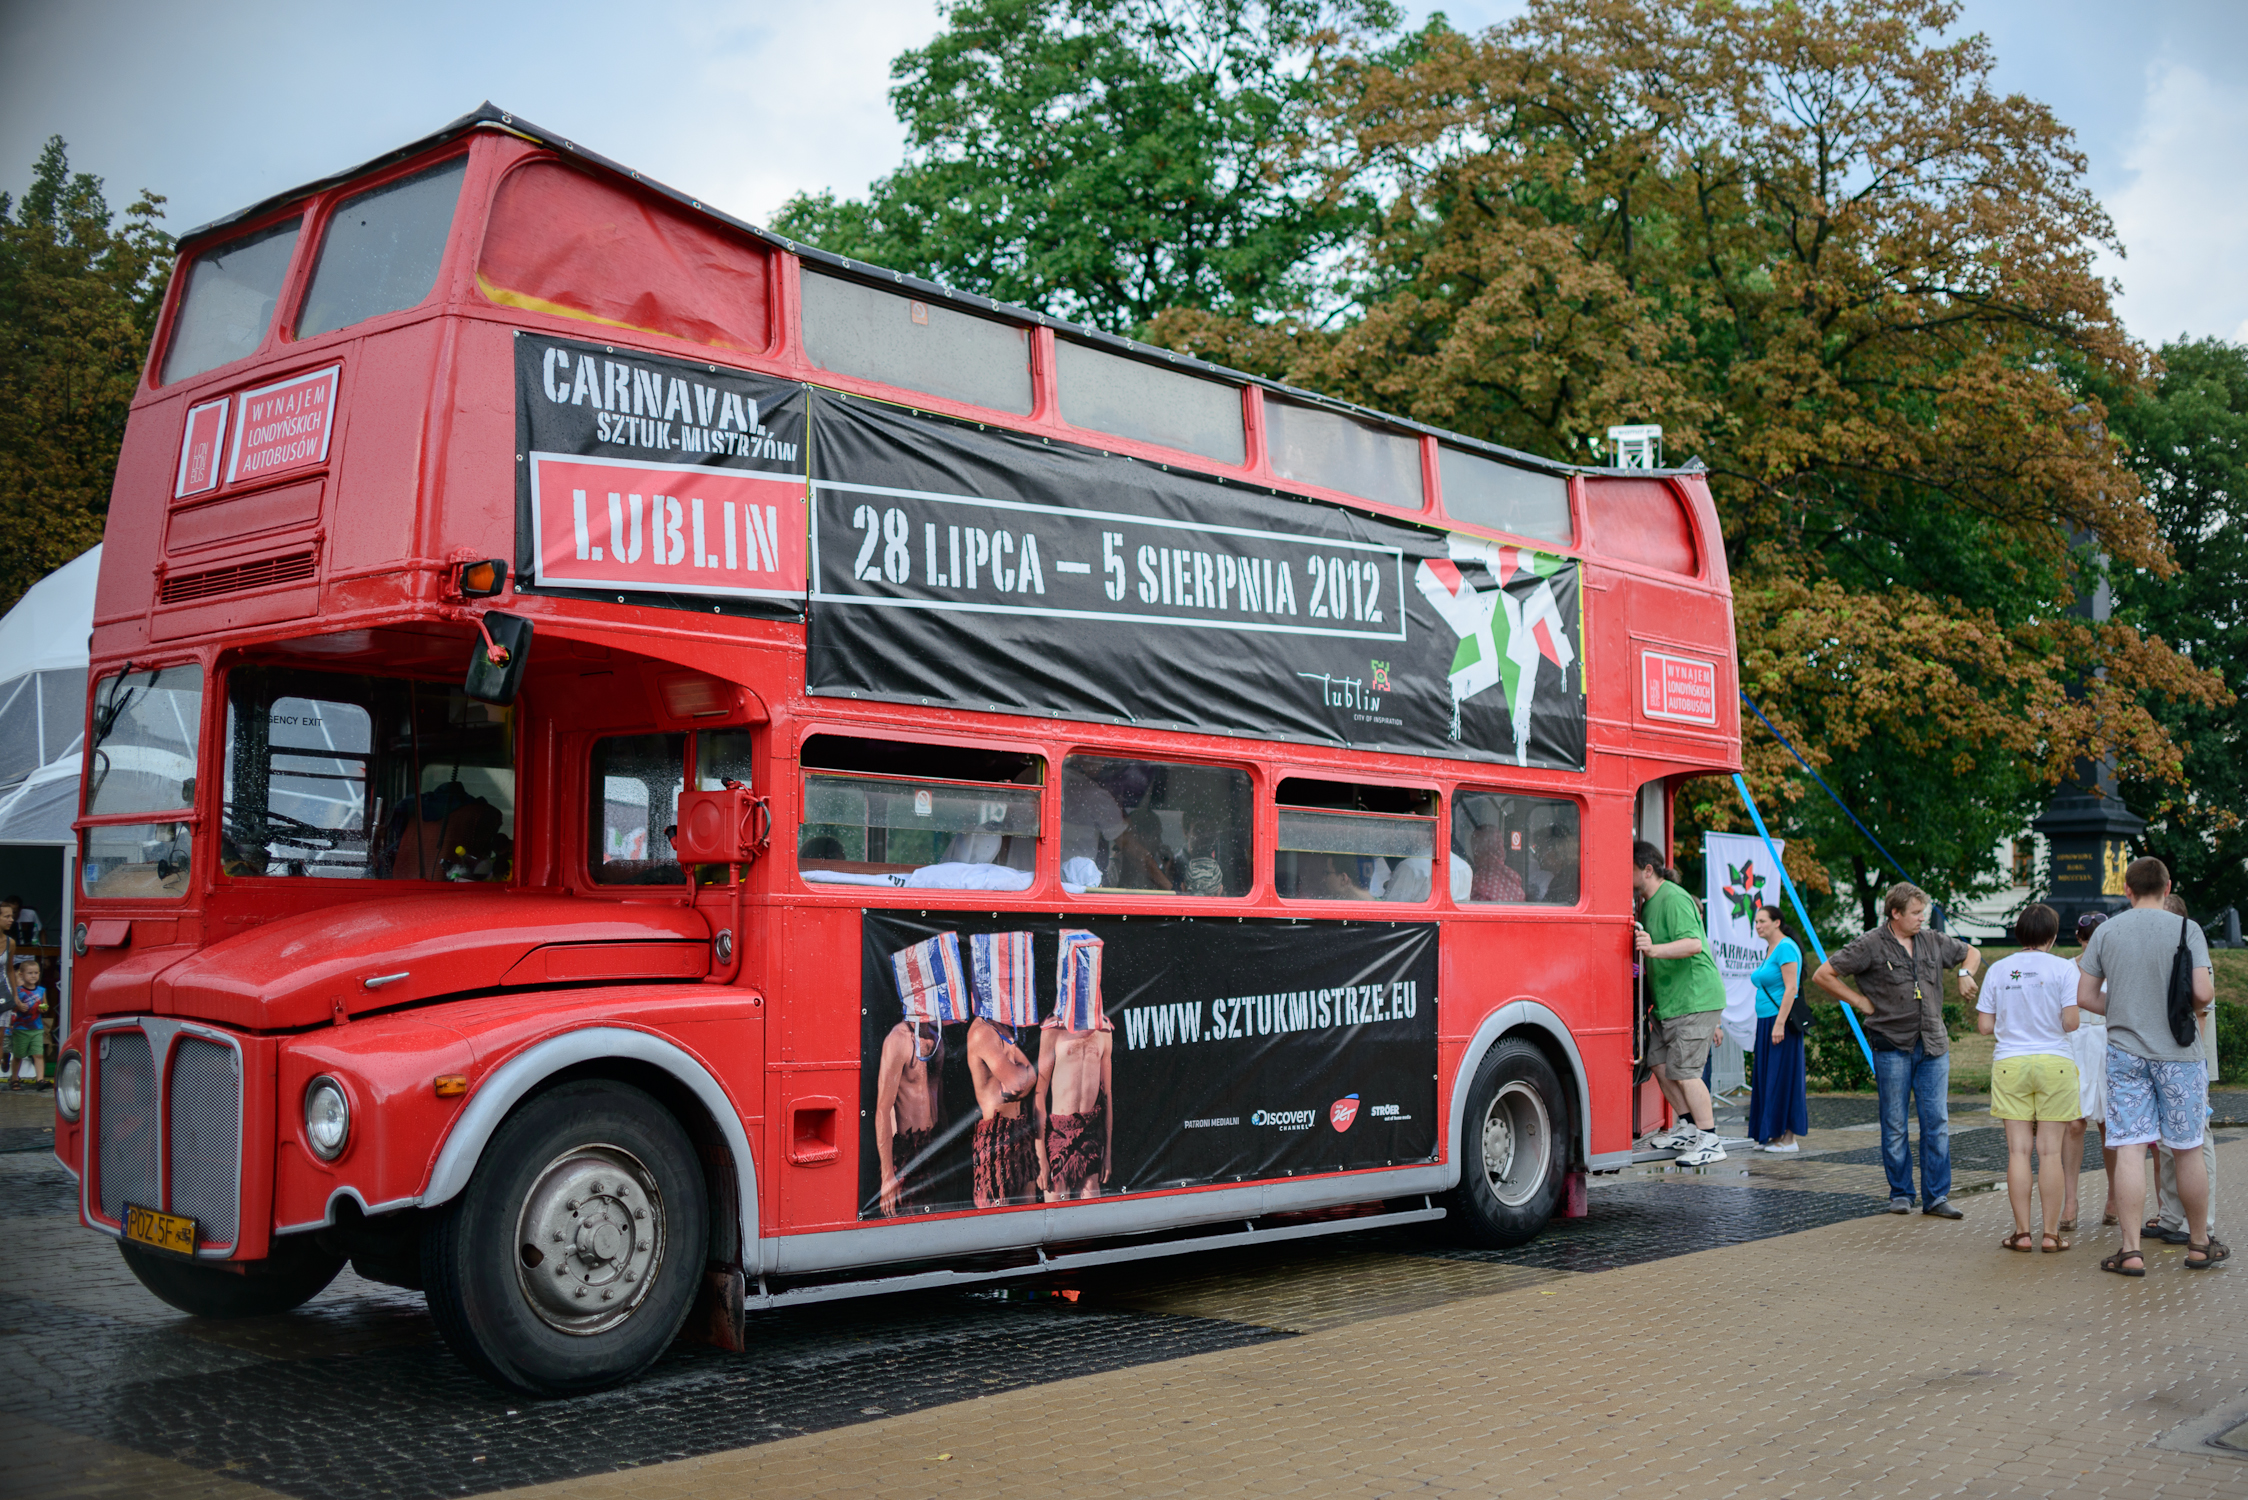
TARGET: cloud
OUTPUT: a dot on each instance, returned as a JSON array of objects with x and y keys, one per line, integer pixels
[{"x": 2183, "y": 215}]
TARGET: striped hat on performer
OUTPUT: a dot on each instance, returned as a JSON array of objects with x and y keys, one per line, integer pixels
[
  {"x": 930, "y": 981},
  {"x": 1077, "y": 997},
  {"x": 999, "y": 963}
]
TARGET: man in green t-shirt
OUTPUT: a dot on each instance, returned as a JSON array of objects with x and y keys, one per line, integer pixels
[{"x": 1689, "y": 1003}]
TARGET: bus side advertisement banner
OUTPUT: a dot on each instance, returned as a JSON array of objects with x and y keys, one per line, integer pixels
[
  {"x": 983, "y": 569},
  {"x": 658, "y": 480},
  {"x": 1012, "y": 1060}
]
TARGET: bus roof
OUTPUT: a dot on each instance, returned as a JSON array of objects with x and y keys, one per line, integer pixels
[{"x": 489, "y": 116}]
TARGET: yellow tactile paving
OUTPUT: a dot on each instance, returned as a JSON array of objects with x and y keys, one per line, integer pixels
[{"x": 1879, "y": 1357}]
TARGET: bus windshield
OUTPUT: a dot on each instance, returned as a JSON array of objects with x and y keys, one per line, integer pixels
[{"x": 359, "y": 778}]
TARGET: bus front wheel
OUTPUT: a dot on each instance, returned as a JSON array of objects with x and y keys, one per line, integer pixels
[
  {"x": 1514, "y": 1147},
  {"x": 572, "y": 1257},
  {"x": 293, "y": 1274}
]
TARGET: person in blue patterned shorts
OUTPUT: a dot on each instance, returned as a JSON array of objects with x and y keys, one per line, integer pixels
[{"x": 2157, "y": 1089}]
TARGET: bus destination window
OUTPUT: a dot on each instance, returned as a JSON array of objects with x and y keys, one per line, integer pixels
[
  {"x": 923, "y": 817},
  {"x": 336, "y": 776},
  {"x": 146, "y": 728},
  {"x": 1342, "y": 841},
  {"x": 1151, "y": 825},
  {"x": 229, "y": 300},
  {"x": 1514, "y": 849},
  {"x": 381, "y": 250}
]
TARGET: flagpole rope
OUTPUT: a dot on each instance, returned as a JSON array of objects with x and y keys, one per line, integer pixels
[
  {"x": 1849, "y": 1012},
  {"x": 1895, "y": 863}
]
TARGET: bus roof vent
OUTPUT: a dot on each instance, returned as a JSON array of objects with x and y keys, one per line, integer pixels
[{"x": 238, "y": 578}]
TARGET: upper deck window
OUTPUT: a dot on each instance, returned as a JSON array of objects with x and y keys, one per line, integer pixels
[
  {"x": 1483, "y": 492},
  {"x": 229, "y": 300},
  {"x": 935, "y": 817},
  {"x": 1340, "y": 453},
  {"x": 1135, "y": 399},
  {"x": 382, "y": 249},
  {"x": 855, "y": 329},
  {"x": 573, "y": 246},
  {"x": 1641, "y": 521},
  {"x": 1340, "y": 841}
]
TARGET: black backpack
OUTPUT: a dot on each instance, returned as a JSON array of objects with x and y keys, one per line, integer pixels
[{"x": 2182, "y": 1029}]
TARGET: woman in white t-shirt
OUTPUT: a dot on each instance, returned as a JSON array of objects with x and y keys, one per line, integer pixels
[{"x": 2028, "y": 1002}]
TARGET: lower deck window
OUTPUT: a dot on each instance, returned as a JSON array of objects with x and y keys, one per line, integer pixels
[
  {"x": 932, "y": 817},
  {"x": 1339, "y": 841},
  {"x": 1148, "y": 825},
  {"x": 1513, "y": 849},
  {"x": 346, "y": 777}
]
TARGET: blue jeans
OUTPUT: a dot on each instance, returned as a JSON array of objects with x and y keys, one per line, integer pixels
[{"x": 1928, "y": 1080}]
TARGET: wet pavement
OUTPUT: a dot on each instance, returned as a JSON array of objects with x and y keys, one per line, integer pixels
[{"x": 354, "y": 1396}]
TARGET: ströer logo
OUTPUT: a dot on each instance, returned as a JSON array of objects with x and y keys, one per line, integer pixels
[{"x": 1343, "y": 1111}]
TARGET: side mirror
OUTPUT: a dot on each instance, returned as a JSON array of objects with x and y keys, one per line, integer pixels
[{"x": 497, "y": 660}]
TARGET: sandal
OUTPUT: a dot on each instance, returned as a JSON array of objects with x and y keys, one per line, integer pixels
[
  {"x": 2109, "y": 1218},
  {"x": 2067, "y": 1226},
  {"x": 2116, "y": 1264},
  {"x": 2215, "y": 1253},
  {"x": 2054, "y": 1244},
  {"x": 2018, "y": 1240}
]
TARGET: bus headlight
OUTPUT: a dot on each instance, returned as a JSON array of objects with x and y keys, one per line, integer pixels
[
  {"x": 70, "y": 1086},
  {"x": 327, "y": 1118}
]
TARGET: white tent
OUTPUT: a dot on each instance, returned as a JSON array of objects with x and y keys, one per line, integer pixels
[{"x": 44, "y": 647}]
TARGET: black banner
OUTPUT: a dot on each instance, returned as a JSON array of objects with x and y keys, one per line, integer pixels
[
  {"x": 1018, "y": 1060},
  {"x": 658, "y": 480},
  {"x": 986, "y": 569}
]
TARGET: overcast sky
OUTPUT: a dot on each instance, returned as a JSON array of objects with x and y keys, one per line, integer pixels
[{"x": 743, "y": 102}]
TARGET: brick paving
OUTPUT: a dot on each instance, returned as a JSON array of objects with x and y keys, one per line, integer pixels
[{"x": 1378, "y": 1364}]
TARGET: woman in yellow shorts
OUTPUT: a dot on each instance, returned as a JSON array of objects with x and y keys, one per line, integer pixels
[{"x": 2028, "y": 1002}]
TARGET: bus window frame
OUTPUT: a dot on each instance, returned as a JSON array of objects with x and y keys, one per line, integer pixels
[
  {"x": 313, "y": 242},
  {"x": 792, "y": 817},
  {"x": 175, "y": 299}
]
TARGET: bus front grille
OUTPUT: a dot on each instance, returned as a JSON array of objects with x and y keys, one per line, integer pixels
[
  {"x": 237, "y": 578},
  {"x": 126, "y": 1105},
  {"x": 204, "y": 1106}
]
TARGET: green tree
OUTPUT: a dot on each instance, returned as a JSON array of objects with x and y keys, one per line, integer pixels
[
  {"x": 79, "y": 294},
  {"x": 2188, "y": 440},
  {"x": 1103, "y": 160},
  {"x": 1813, "y": 243}
]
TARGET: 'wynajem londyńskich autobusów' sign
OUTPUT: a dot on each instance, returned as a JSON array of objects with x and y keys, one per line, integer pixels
[
  {"x": 985, "y": 569},
  {"x": 979, "y": 568}
]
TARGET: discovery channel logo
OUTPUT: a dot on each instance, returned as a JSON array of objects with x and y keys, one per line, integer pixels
[{"x": 1285, "y": 1119}]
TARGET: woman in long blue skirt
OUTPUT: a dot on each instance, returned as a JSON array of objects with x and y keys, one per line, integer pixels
[{"x": 1778, "y": 1110}]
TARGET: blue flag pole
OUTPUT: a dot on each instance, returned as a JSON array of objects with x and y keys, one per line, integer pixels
[{"x": 1803, "y": 990}]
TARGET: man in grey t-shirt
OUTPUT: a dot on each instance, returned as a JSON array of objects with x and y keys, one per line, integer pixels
[{"x": 2158, "y": 1090}]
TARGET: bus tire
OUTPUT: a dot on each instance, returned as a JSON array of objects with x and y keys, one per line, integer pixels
[
  {"x": 1514, "y": 1146},
  {"x": 292, "y": 1275},
  {"x": 572, "y": 1257}
]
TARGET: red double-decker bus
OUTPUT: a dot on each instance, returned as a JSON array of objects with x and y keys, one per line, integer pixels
[{"x": 639, "y": 772}]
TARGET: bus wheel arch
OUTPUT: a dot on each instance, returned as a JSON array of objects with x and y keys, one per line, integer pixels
[{"x": 1539, "y": 1026}]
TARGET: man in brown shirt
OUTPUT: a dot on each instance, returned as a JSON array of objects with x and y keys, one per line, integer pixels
[{"x": 1900, "y": 971}]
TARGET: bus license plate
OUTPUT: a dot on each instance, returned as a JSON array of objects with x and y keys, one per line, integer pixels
[{"x": 174, "y": 1232}]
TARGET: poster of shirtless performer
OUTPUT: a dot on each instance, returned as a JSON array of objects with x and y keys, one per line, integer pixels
[{"x": 1011, "y": 1060}]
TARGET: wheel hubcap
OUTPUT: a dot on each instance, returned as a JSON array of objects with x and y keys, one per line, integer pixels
[
  {"x": 1517, "y": 1144},
  {"x": 589, "y": 1239}
]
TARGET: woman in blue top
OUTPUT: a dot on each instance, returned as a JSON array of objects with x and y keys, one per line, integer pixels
[{"x": 1778, "y": 1111}]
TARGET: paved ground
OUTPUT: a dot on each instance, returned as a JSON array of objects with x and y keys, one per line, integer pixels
[{"x": 1756, "y": 1328}]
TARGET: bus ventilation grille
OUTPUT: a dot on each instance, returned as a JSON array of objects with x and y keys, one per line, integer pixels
[{"x": 236, "y": 578}]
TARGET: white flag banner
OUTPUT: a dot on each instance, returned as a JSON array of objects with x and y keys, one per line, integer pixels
[{"x": 1740, "y": 879}]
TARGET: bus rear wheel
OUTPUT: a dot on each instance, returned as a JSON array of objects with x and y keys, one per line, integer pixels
[
  {"x": 293, "y": 1274},
  {"x": 572, "y": 1257},
  {"x": 1514, "y": 1144}
]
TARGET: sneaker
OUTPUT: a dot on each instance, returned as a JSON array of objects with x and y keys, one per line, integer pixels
[
  {"x": 1790, "y": 1149},
  {"x": 1900, "y": 1205},
  {"x": 1704, "y": 1151},
  {"x": 1679, "y": 1137},
  {"x": 1942, "y": 1209}
]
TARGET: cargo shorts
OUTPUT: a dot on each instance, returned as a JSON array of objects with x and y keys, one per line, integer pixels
[{"x": 1680, "y": 1046}]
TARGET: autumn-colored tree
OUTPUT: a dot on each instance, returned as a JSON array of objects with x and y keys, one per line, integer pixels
[
  {"x": 1812, "y": 242},
  {"x": 79, "y": 294},
  {"x": 1103, "y": 160}
]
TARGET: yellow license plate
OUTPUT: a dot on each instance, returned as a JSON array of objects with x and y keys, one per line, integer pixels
[{"x": 174, "y": 1232}]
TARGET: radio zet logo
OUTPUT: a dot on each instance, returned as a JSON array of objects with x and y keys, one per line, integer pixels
[{"x": 1343, "y": 1111}]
